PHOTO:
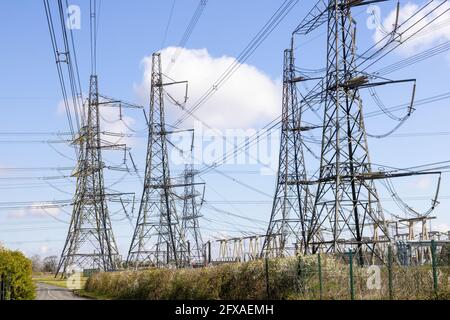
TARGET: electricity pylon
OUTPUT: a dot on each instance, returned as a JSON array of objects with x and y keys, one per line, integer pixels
[
  {"x": 90, "y": 241},
  {"x": 190, "y": 216},
  {"x": 287, "y": 228},
  {"x": 158, "y": 239},
  {"x": 347, "y": 200},
  {"x": 343, "y": 211}
]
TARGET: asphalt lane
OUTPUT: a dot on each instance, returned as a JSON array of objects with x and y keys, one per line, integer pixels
[{"x": 48, "y": 292}]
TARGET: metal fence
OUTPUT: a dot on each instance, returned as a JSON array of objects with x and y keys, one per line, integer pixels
[{"x": 339, "y": 276}]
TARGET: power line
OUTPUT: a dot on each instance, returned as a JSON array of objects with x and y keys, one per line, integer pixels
[
  {"x": 254, "y": 44},
  {"x": 35, "y": 141},
  {"x": 163, "y": 42},
  {"x": 274, "y": 124},
  {"x": 187, "y": 33},
  {"x": 418, "y": 57},
  {"x": 23, "y": 133}
]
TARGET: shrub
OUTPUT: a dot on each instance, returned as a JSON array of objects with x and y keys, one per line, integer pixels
[
  {"x": 241, "y": 281},
  {"x": 17, "y": 270},
  {"x": 288, "y": 278}
]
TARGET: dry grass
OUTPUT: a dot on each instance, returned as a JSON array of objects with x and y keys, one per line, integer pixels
[
  {"x": 289, "y": 278},
  {"x": 50, "y": 279}
]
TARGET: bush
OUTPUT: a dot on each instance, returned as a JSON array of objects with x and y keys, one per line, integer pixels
[
  {"x": 241, "y": 281},
  {"x": 288, "y": 278},
  {"x": 17, "y": 271}
]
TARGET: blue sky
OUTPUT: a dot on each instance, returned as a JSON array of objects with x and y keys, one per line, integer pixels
[{"x": 130, "y": 31}]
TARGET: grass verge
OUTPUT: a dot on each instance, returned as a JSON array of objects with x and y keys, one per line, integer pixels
[
  {"x": 51, "y": 280},
  {"x": 58, "y": 282}
]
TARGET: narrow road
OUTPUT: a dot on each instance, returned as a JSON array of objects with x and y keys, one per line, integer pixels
[{"x": 48, "y": 292}]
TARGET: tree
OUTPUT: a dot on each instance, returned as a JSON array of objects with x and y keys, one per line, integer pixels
[
  {"x": 36, "y": 263},
  {"x": 50, "y": 264}
]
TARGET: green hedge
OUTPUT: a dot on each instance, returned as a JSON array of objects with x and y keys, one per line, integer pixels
[{"x": 18, "y": 272}]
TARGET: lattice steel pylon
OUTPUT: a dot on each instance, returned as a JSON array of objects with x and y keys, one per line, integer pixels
[
  {"x": 346, "y": 201},
  {"x": 286, "y": 233},
  {"x": 157, "y": 239},
  {"x": 190, "y": 217},
  {"x": 90, "y": 241}
]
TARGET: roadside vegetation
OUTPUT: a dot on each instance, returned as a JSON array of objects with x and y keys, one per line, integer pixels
[
  {"x": 288, "y": 278},
  {"x": 16, "y": 275},
  {"x": 50, "y": 279},
  {"x": 44, "y": 270}
]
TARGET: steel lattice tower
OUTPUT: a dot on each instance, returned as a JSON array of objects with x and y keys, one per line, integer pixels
[
  {"x": 90, "y": 242},
  {"x": 190, "y": 216},
  {"x": 157, "y": 238},
  {"x": 287, "y": 228},
  {"x": 347, "y": 201}
]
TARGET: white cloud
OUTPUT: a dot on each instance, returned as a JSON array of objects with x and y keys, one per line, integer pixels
[
  {"x": 442, "y": 227},
  {"x": 112, "y": 123},
  {"x": 436, "y": 32},
  {"x": 249, "y": 98},
  {"x": 36, "y": 210}
]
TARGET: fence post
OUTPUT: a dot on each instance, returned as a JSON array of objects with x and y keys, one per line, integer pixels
[
  {"x": 433, "y": 261},
  {"x": 189, "y": 249},
  {"x": 168, "y": 253},
  {"x": 319, "y": 263},
  {"x": 352, "y": 287},
  {"x": 267, "y": 277},
  {"x": 391, "y": 289},
  {"x": 300, "y": 284},
  {"x": 209, "y": 252}
]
